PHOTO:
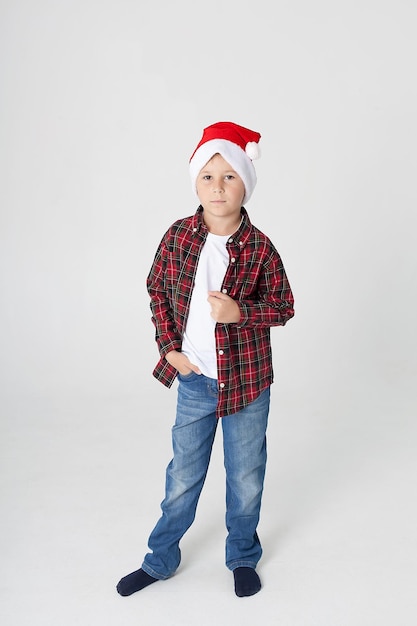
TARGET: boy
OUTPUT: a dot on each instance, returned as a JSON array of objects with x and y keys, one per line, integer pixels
[{"x": 217, "y": 285}]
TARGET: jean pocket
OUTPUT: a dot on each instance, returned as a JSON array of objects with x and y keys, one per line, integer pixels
[{"x": 185, "y": 377}]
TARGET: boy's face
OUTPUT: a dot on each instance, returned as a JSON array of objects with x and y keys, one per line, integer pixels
[{"x": 220, "y": 189}]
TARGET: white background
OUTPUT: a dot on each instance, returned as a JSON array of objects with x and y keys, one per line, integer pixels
[{"x": 102, "y": 104}]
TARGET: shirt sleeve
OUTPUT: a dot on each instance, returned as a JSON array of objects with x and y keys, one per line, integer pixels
[
  {"x": 166, "y": 334},
  {"x": 273, "y": 303}
]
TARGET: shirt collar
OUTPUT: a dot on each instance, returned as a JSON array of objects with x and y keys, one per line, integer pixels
[{"x": 239, "y": 237}]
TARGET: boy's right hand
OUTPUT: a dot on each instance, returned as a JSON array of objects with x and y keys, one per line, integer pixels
[{"x": 181, "y": 363}]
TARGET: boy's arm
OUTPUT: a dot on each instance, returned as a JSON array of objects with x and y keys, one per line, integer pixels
[
  {"x": 273, "y": 304},
  {"x": 166, "y": 335}
]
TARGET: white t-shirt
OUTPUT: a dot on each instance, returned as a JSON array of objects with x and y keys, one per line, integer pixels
[{"x": 199, "y": 343}]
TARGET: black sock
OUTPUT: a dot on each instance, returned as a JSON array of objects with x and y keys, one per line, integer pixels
[
  {"x": 134, "y": 582},
  {"x": 247, "y": 581}
]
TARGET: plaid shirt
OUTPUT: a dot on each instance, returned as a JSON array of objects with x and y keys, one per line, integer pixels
[{"x": 255, "y": 278}]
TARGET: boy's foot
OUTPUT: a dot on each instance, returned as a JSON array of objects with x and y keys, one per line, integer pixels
[
  {"x": 247, "y": 581},
  {"x": 134, "y": 582}
]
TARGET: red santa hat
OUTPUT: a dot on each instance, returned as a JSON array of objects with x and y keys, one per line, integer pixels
[{"x": 236, "y": 144}]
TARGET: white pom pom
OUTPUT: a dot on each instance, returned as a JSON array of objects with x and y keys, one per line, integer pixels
[{"x": 252, "y": 150}]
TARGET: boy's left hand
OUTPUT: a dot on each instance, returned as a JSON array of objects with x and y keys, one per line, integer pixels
[{"x": 224, "y": 309}]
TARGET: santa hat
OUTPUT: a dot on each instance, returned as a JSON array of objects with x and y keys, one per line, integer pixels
[{"x": 236, "y": 144}]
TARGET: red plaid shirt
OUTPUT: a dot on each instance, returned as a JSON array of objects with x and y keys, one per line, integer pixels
[{"x": 255, "y": 278}]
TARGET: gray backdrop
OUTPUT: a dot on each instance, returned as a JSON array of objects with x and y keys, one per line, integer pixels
[{"x": 102, "y": 104}]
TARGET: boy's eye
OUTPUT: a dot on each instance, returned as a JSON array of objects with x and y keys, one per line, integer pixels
[{"x": 226, "y": 177}]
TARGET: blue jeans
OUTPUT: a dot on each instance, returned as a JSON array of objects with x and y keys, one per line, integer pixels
[{"x": 244, "y": 446}]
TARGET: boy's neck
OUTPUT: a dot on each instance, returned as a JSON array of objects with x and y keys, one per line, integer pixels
[{"x": 222, "y": 226}]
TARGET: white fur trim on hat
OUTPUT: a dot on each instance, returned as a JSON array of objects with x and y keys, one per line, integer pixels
[{"x": 237, "y": 158}]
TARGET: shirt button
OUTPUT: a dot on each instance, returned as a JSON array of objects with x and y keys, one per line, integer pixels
[
  {"x": 230, "y": 240},
  {"x": 221, "y": 352},
  {"x": 194, "y": 230},
  {"x": 233, "y": 260},
  {"x": 224, "y": 290},
  {"x": 240, "y": 243},
  {"x": 222, "y": 385}
]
